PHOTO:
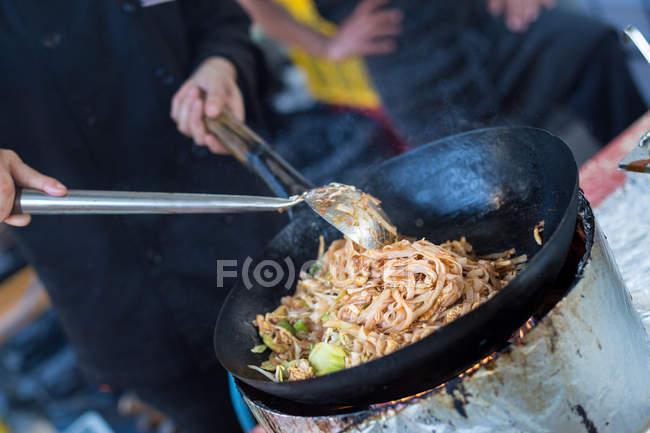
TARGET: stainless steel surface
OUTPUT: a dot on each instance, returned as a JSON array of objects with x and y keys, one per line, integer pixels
[
  {"x": 633, "y": 34},
  {"x": 122, "y": 202},
  {"x": 585, "y": 367},
  {"x": 638, "y": 160},
  {"x": 354, "y": 213}
]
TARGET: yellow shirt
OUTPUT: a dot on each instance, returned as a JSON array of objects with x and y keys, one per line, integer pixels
[{"x": 342, "y": 83}]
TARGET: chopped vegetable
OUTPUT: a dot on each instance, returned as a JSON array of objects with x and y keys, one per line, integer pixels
[
  {"x": 259, "y": 348},
  {"x": 280, "y": 311},
  {"x": 311, "y": 346},
  {"x": 290, "y": 364},
  {"x": 268, "y": 340},
  {"x": 314, "y": 268},
  {"x": 301, "y": 326},
  {"x": 286, "y": 325},
  {"x": 538, "y": 232},
  {"x": 325, "y": 317},
  {"x": 264, "y": 373},
  {"x": 327, "y": 358},
  {"x": 281, "y": 373}
]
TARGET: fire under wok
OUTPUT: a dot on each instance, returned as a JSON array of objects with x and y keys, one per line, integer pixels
[{"x": 492, "y": 186}]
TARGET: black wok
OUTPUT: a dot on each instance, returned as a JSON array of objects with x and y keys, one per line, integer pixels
[{"x": 492, "y": 186}]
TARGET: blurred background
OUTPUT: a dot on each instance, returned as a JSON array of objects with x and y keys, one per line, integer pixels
[{"x": 41, "y": 386}]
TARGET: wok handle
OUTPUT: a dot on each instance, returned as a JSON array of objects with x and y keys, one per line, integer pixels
[
  {"x": 253, "y": 152},
  {"x": 84, "y": 202}
]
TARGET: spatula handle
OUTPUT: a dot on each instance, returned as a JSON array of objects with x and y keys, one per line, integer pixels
[{"x": 83, "y": 202}]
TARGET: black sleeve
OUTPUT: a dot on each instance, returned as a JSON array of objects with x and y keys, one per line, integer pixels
[{"x": 221, "y": 28}]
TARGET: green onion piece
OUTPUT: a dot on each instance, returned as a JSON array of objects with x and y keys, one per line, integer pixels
[
  {"x": 280, "y": 311},
  {"x": 268, "y": 366},
  {"x": 311, "y": 346},
  {"x": 315, "y": 268},
  {"x": 259, "y": 348},
  {"x": 286, "y": 325},
  {"x": 268, "y": 340},
  {"x": 325, "y": 317},
  {"x": 327, "y": 358},
  {"x": 281, "y": 373},
  {"x": 301, "y": 326},
  {"x": 290, "y": 364}
]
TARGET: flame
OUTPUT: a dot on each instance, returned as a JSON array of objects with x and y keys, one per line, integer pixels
[{"x": 517, "y": 336}]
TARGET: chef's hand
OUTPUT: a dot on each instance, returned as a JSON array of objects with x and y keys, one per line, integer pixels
[
  {"x": 14, "y": 171},
  {"x": 369, "y": 30},
  {"x": 218, "y": 78},
  {"x": 519, "y": 14}
]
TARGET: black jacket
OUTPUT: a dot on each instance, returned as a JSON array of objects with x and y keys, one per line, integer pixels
[{"x": 85, "y": 96}]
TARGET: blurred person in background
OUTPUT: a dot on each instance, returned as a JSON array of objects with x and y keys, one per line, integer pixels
[
  {"x": 440, "y": 68},
  {"x": 87, "y": 93}
]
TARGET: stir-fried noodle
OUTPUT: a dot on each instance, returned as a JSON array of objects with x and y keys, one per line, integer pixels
[{"x": 355, "y": 305}]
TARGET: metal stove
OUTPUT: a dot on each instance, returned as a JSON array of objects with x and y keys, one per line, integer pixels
[{"x": 580, "y": 364}]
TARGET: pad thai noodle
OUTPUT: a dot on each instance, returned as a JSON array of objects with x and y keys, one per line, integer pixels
[{"x": 355, "y": 305}]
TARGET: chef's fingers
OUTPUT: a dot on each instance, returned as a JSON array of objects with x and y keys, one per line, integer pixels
[
  {"x": 215, "y": 145},
  {"x": 183, "y": 120},
  {"x": 15, "y": 171},
  {"x": 196, "y": 122},
  {"x": 236, "y": 103},
  {"x": 27, "y": 177},
  {"x": 215, "y": 99},
  {"x": 496, "y": 7},
  {"x": 532, "y": 9},
  {"x": 18, "y": 220},
  {"x": 7, "y": 193},
  {"x": 179, "y": 96},
  {"x": 515, "y": 15},
  {"x": 231, "y": 98}
]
